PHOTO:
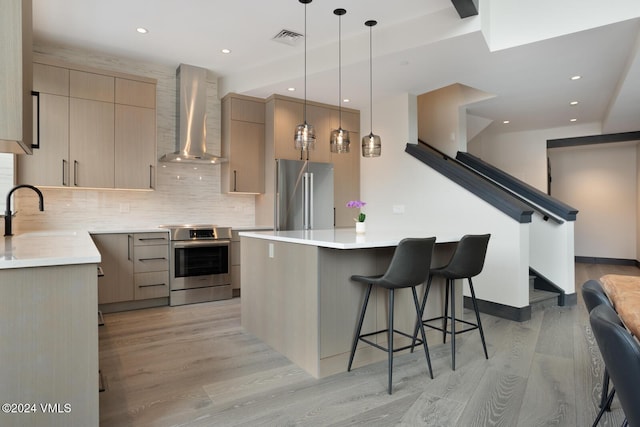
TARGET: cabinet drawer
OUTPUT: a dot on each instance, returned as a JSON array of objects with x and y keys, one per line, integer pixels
[
  {"x": 153, "y": 284},
  {"x": 151, "y": 258},
  {"x": 144, "y": 239}
]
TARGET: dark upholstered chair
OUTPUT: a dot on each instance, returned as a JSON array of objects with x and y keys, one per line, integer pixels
[
  {"x": 593, "y": 295},
  {"x": 466, "y": 262},
  {"x": 621, "y": 354},
  {"x": 409, "y": 268}
]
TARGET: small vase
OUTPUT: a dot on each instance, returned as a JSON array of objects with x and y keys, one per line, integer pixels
[{"x": 360, "y": 227}]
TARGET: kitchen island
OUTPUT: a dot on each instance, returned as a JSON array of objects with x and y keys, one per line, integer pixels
[
  {"x": 49, "y": 329},
  {"x": 298, "y": 298}
]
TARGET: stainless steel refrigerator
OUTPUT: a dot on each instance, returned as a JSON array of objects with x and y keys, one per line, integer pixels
[{"x": 304, "y": 195}]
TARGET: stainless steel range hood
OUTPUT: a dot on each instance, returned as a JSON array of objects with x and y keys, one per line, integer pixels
[{"x": 191, "y": 129}]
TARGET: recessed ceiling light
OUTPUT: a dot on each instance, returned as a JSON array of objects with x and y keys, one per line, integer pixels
[
  {"x": 142, "y": 30},
  {"x": 573, "y": 120},
  {"x": 576, "y": 77},
  {"x": 506, "y": 122},
  {"x": 291, "y": 89},
  {"x": 226, "y": 51},
  {"x": 573, "y": 103},
  {"x": 346, "y": 100}
]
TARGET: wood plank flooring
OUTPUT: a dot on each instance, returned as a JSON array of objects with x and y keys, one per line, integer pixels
[{"x": 195, "y": 366}]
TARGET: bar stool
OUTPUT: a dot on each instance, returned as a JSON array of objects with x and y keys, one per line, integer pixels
[
  {"x": 621, "y": 355},
  {"x": 466, "y": 262},
  {"x": 409, "y": 268},
  {"x": 594, "y": 295}
]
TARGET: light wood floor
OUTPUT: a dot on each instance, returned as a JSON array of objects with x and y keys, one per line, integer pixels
[{"x": 195, "y": 366}]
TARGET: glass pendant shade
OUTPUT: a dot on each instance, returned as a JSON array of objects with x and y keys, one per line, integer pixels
[
  {"x": 371, "y": 146},
  {"x": 305, "y": 138},
  {"x": 340, "y": 141}
]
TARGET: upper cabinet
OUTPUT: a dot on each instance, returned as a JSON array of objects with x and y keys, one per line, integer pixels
[
  {"x": 243, "y": 127},
  {"x": 94, "y": 129},
  {"x": 15, "y": 76}
]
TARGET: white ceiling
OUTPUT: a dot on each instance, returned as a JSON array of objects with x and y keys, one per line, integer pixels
[{"x": 418, "y": 46}]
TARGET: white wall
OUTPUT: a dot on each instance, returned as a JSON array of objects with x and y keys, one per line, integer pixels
[
  {"x": 436, "y": 205},
  {"x": 523, "y": 154},
  {"x": 601, "y": 182},
  {"x": 183, "y": 194}
]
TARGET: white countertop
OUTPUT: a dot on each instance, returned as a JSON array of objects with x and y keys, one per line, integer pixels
[
  {"x": 48, "y": 248},
  {"x": 347, "y": 238}
]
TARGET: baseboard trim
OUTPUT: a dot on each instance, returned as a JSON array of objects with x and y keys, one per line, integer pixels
[
  {"x": 611, "y": 261},
  {"x": 508, "y": 312}
]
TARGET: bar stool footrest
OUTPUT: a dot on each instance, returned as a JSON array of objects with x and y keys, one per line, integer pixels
[
  {"x": 362, "y": 337},
  {"x": 473, "y": 327}
]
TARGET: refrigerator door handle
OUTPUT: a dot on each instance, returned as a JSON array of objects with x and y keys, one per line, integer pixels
[
  {"x": 311, "y": 197},
  {"x": 305, "y": 201}
]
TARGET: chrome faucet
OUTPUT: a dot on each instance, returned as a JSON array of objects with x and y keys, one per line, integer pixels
[{"x": 7, "y": 213}]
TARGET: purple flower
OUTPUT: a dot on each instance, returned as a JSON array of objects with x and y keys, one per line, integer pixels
[{"x": 356, "y": 204}]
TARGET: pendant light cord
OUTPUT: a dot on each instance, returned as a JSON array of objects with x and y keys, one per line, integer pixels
[
  {"x": 305, "y": 63},
  {"x": 340, "y": 72},
  {"x": 371, "y": 79}
]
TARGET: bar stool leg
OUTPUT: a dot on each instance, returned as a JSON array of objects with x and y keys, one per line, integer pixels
[
  {"x": 390, "y": 337},
  {"x": 424, "y": 335},
  {"x": 419, "y": 320},
  {"x": 446, "y": 312},
  {"x": 453, "y": 324},
  {"x": 356, "y": 337},
  {"x": 475, "y": 308}
]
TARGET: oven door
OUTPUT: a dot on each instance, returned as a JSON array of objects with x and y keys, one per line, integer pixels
[{"x": 198, "y": 264}]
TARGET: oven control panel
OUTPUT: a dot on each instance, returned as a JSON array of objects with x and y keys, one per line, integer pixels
[{"x": 202, "y": 234}]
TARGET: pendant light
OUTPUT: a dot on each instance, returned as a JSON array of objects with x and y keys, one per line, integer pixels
[
  {"x": 305, "y": 136},
  {"x": 339, "y": 137},
  {"x": 371, "y": 144}
]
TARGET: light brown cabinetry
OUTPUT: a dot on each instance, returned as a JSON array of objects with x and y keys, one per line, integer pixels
[
  {"x": 15, "y": 77},
  {"x": 96, "y": 129},
  {"x": 243, "y": 130},
  {"x": 116, "y": 252},
  {"x": 151, "y": 265},
  {"x": 346, "y": 171},
  {"x": 135, "y": 266},
  {"x": 235, "y": 263}
]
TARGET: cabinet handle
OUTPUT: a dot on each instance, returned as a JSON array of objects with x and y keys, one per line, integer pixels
[
  {"x": 75, "y": 172},
  {"x": 151, "y": 177},
  {"x": 235, "y": 180},
  {"x": 64, "y": 168},
  {"x": 129, "y": 242},
  {"x": 145, "y": 239},
  {"x": 151, "y": 259},
  {"x": 37, "y": 95},
  {"x": 150, "y": 286}
]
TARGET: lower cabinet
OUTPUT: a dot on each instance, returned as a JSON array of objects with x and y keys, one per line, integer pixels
[
  {"x": 136, "y": 268},
  {"x": 151, "y": 265},
  {"x": 235, "y": 263}
]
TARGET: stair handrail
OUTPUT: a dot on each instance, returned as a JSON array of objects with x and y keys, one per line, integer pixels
[{"x": 546, "y": 215}]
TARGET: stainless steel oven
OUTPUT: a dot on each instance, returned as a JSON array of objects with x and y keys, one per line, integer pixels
[{"x": 199, "y": 263}]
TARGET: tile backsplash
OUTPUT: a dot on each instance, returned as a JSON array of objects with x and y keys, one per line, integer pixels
[{"x": 185, "y": 193}]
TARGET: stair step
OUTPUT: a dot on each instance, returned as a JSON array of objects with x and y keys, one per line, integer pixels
[{"x": 539, "y": 299}]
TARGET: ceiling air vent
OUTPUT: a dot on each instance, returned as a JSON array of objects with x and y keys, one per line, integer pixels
[{"x": 288, "y": 37}]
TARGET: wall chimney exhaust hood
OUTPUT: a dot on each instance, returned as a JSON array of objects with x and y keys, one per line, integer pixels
[{"x": 191, "y": 132}]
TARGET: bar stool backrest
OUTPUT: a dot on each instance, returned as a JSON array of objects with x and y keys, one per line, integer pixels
[
  {"x": 621, "y": 354},
  {"x": 411, "y": 262},
  {"x": 468, "y": 258},
  {"x": 594, "y": 295}
]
